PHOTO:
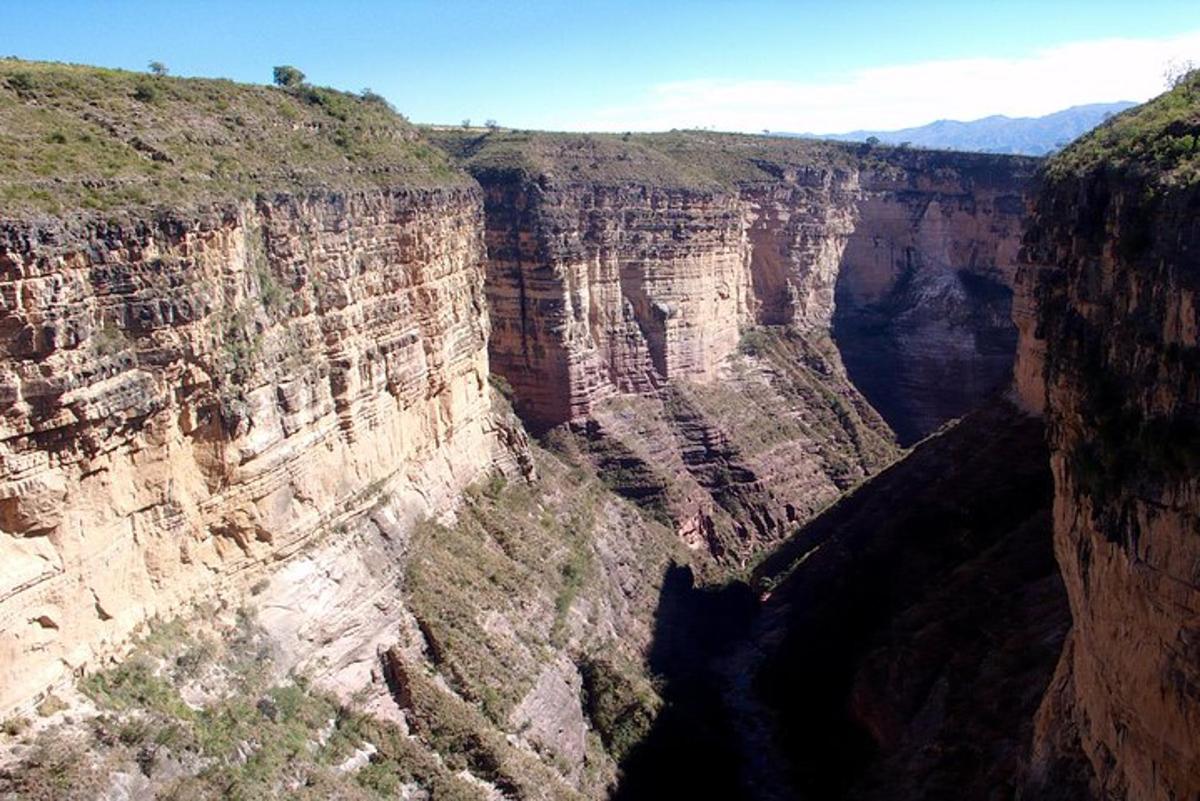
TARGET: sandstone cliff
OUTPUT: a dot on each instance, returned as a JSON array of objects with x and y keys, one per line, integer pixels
[
  {"x": 627, "y": 267},
  {"x": 190, "y": 396},
  {"x": 271, "y": 390},
  {"x": 924, "y": 292},
  {"x": 1114, "y": 359},
  {"x": 618, "y": 263}
]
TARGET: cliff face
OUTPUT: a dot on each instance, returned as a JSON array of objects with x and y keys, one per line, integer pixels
[
  {"x": 188, "y": 398},
  {"x": 636, "y": 266},
  {"x": 924, "y": 290},
  {"x": 619, "y": 264},
  {"x": 1114, "y": 359},
  {"x": 277, "y": 395},
  {"x": 596, "y": 289}
]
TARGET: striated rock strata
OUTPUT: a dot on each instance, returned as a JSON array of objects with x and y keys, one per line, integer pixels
[
  {"x": 617, "y": 264},
  {"x": 596, "y": 289},
  {"x": 701, "y": 272},
  {"x": 189, "y": 397},
  {"x": 924, "y": 291}
]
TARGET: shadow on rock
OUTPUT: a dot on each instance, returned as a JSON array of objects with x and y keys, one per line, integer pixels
[{"x": 690, "y": 751}]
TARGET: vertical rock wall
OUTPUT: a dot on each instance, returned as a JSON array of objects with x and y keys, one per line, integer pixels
[
  {"x": 600, "y": 288},
  {"x": 1115, "y": 360},
  {"x": 617, "y": 285},
  {"x": 924, "y": 291},
  {"x": 187, "y": 398}
]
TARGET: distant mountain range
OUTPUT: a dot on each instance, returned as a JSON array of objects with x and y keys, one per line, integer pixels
[{"x": 1032, "y": 136}]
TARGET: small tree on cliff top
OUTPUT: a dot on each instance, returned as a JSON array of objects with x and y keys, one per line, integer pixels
[
  {"x": 288, "y": 76},
  {"x": 1178, "y": 72},
  {"x": 158, "y": 68}
]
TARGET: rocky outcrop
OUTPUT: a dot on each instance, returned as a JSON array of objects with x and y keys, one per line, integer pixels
[
  {"x": 1112, "y": 268},
  {"x": 621, "y": 267},
  {"x": 190, "y": 397},
  {"x": 736, "y": 463}
]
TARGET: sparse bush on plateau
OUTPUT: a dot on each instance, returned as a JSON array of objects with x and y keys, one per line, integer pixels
[
  {"x": 288, "y": 76},
  {"x": 145, "y": 93}
]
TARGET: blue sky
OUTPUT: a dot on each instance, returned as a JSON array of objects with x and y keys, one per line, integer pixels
[{"x": 815, "y": 66}]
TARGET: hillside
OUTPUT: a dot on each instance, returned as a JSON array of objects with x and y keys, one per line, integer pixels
[{"x": 77, "y": 136}]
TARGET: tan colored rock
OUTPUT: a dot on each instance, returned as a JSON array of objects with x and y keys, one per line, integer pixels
[
  {"x": 188, "y": 399},
  {"x": 1116, "y": 290},
  {"x": 621, "y": 283},
  {"x": 595, "y": 289}
]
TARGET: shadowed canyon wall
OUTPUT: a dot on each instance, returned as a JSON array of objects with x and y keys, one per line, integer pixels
[
  {"x": 923, "y": 297},
  {"x": 1115, "y": 361}
]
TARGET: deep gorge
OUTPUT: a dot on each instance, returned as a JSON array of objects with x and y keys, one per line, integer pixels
[{"x": 550, "y": 464}]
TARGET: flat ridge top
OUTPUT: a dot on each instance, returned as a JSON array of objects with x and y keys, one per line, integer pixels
[
  {"x": 702, "y": 160},
  {"x": 80, "y": 137}
]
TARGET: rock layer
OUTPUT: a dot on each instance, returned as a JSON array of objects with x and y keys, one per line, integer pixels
[
  {"x": 189, "y": 397},
  {"x": 595, "y": 289},
  {"x": 1114, "y": 358},
  {"x": 924, "y": 291},
  {"x": 612, "y": 269}
]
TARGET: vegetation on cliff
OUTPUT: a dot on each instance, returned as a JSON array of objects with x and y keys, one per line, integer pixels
[
  {"x": 1159, "y": 139},
  {"x": 1112, "y": 250},
  {"x": 1128, "y": 193},
  {"x": 548, "y": 582},
  {"x": 76, "y": 136}
]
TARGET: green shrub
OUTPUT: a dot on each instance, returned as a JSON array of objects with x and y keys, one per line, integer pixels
[
  {"x": 51, "y": 705},
  {"x": 288, "y": 76},
  {"x": 620, "y": 705},
  {"x": 22, "y": 83},
  {"x": 14, "y": 726},
  {"x": 145, "y": 93}
]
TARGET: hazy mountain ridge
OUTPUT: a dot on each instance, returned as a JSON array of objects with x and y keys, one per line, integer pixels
[{"x": 1031, "y": 136}]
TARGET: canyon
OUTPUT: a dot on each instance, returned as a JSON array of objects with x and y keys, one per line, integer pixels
[{"x": 503, "y": 464}]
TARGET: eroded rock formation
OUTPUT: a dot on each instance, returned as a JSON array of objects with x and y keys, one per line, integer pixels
[
  {"x": 924, "y": 290},
  {"x": 188, "y": 398},
  {"x": 595, "y": 289},
  {"x": 616, "y": 265}
]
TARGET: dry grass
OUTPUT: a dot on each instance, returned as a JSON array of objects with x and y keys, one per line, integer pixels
[{"x": 84, "y": 137}]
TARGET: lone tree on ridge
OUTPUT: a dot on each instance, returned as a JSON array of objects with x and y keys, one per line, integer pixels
[{"x": 288, "y": 76}]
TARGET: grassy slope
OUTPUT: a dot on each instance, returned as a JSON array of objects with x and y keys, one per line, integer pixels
[
  {"x": 1160, "y": 138},
  {"x": 75, "y": 136}
]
